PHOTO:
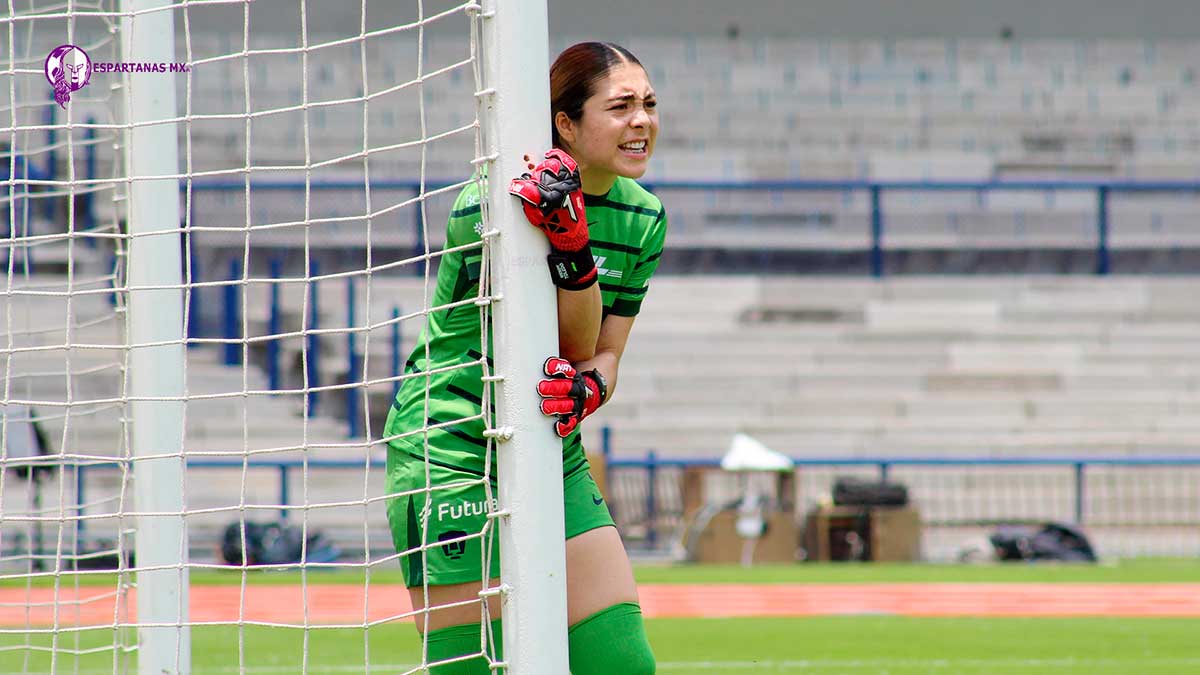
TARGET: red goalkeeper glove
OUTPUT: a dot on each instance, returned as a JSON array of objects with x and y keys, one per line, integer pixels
[
  {"x": 552, "y": 198},
  {"x": 570, "y": 395}
]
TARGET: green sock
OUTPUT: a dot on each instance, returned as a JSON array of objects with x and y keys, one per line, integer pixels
[
  {"x": 611, "y": 641},
  {"x": 446, "y": 643}
]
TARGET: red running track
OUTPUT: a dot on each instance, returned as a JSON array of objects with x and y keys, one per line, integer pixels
[{"x": 346, "y": 605}]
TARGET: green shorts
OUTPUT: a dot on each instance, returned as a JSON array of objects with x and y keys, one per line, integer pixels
[{"x": 458, "y": 515}]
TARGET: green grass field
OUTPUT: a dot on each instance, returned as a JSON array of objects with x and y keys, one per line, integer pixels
[
  {"x": 847, "y": 645},
  {"x": 825, "y": 646}
]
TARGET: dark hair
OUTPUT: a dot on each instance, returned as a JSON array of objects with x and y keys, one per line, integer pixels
[{"x": 574, "y": 75}]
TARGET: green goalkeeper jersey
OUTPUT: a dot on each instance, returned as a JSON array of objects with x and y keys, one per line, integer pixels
[{"x": 627, "y": 228}]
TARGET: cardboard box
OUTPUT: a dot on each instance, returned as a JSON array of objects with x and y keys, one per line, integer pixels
[
  {"x": 890, "y": 534},
  {"x": 720, "y": 542}
]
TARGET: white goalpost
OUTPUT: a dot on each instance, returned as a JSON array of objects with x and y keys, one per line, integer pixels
[
  {"x": 222, "y": 228},
  {"x": 156, "y": 364},
  {"x": 531, "y": 488}
]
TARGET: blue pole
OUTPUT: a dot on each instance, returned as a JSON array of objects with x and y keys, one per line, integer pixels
[
  {"x": 651, "y": 498},
  {"x": 284, "y": 492},
  {"x": 876, "y": 231},
  {"x": 352, "y": 361},
  {"x": 1102, "y": 230},
  {"x": 89, "y": 215},
  {"x": 233, "y": 351},
  {"x": 884, "y": 470},
  {"x": 312, "y": 345},
  {"x": 80, "y": 501},
  {"x": 1080, "y": 487},
  {"x": 273, "y": 327}
]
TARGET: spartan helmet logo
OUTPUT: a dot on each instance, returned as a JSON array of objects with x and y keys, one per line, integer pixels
[{"x": 68, "y": 69}]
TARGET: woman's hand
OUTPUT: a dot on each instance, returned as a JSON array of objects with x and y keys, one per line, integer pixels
[
  {"x": 569, "y": 394},
  {"x": 553, "y": 203},
  {"x": 553, "y": 196}
]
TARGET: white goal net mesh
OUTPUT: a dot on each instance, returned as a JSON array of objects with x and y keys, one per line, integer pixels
[{"x": 320, "y": 150}]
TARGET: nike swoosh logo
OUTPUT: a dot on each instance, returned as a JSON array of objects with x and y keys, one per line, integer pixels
[{"x": 597, "y": 500}]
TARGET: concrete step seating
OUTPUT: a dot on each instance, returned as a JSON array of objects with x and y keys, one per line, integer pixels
[
  {"x": 80, "y": 393},
  {"x": 996, "y": 94},
  {"x": 976, "y": 367}
]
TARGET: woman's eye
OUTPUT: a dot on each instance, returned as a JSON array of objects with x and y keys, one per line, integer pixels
[{"x": 651, "y": 104}]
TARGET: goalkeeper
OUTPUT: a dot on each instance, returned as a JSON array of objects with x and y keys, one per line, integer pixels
[{"x": 606, "y": 235}]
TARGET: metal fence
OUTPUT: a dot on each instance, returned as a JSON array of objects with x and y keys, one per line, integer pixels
[{"x": 1129, "y": 506}]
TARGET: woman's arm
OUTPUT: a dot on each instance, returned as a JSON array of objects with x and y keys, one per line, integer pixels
[
  {"x": 579, "y": 315},
  {"x": 614, "y": 333}
]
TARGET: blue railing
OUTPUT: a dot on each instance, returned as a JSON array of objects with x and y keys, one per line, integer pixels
[
  {"x": 1102, "y": 189},
  {"x": 652, "y": 464}
]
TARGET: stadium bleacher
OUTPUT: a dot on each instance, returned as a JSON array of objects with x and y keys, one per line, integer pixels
[
  {"x": 1012, "y": 366},
  {"x": 758, "y": 110}
]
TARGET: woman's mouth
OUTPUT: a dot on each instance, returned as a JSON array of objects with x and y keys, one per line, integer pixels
[{"x": 634, "y": 148}]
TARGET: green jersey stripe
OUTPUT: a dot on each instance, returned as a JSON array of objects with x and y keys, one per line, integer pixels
[
  {"x": 648, "y": 260},
  {"x": 421, "y": 456},
  {"x": 459, "y": 391},
  {"x": 622, "y": 307},
  {"x": 463, "y": 281},
  {"x": 416, "y": 562},
  {"x": 576, "y": 443},
  {"x": 455, "y": 431},
  {"x": 575, "y": 467},
  {"x": 467, "y": 212},
  {"x": 475, "y": 356},
  {"x": 590, "y": 201},
  {"x": 616, "y": 288},
  {"x": 613, "y": 246}
]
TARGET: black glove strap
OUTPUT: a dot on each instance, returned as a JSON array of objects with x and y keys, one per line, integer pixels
[
  {"x": 572, "y": 270},
  {"x": 599, "y": 381}
]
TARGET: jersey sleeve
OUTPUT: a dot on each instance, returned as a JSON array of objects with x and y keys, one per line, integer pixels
[
  {"x": 463, "y": 228},
  {"x": 629, "y": 298}
]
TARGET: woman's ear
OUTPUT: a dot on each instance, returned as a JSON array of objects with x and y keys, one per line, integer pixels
[{"x": 565, "y": 127}]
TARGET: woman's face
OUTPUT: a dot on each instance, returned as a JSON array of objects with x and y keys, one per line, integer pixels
[{"x": 615, "y": 134}]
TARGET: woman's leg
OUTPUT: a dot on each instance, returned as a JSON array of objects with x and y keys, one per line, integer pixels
[
  {"x": 598, "y": 573},
  {"x": 607, "y": 634},
  {"x": 456, "y": 630},
  {"x": 442, "y": 616}
]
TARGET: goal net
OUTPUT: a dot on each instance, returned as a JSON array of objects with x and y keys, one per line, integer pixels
[{"x": 222, "y": 225}]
